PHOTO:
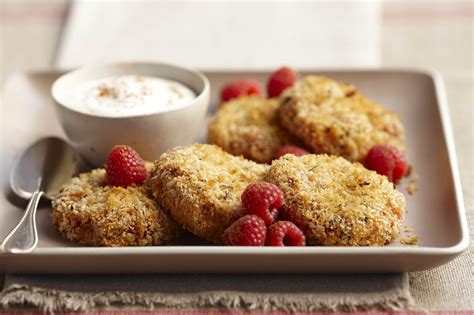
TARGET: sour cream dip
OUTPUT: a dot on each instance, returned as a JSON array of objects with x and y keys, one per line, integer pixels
[{"x": 130, "y": 95}]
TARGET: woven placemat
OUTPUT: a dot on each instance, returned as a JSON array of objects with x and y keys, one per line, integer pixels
[{"x": 269, "y": 292}]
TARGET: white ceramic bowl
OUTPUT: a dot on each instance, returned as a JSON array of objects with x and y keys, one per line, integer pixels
[{"x": 149, "y": 134}]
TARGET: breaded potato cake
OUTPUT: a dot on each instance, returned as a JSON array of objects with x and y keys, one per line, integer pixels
[
  {"x": 334, "y": 118},
  {"x": 90, "y": 212},
  {"x": 201, "y": 185},
  {"x": 249, "y": 126},
  {"x": 336, "y": 202}
]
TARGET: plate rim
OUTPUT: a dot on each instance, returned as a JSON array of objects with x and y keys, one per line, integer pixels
[{"x": 441, "y": 98}]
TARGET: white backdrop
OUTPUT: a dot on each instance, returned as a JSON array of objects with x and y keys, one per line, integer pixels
[{"x": 223, "y": 34}]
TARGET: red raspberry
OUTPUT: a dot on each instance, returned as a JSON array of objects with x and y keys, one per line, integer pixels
[
  {"x": 249, "y": 230},
  {"x": 386, "y": 160},
  {"x": 263, "y": 199},
  {"x": 280, "y": 80},
  {"x": 285, "y": 233},
  {"x": 125, "y": 167},
  {"x": 285, "y": 149},
  {"x": 240, "y": 88}
]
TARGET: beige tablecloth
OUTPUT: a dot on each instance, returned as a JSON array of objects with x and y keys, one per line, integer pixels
[
  {"x": 437, "y": 34},
  {"x": 243, "y": 292}
]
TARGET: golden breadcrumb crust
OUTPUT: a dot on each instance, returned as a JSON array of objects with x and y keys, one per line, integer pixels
[
  {"x": 336, "y": 202},
  {"x": 249, "y": 126},
  {"x": 90, "y": 212},
  {"x": 334, "y": 118},
  {"x": 201, "y": 185}
]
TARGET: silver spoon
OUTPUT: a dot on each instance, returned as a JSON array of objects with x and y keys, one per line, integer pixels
[{"x": 41, "y": 170}]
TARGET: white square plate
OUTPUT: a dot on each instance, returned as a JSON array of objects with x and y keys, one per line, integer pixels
[{"x": 435, "y": 212}]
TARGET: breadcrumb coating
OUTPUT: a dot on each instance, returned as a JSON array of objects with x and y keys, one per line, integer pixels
[
  {"x": 334, "y": 118},
  {"x": 201, "y": 185},
  {"x": 90, "y": 212},
  {"x": 249, "y": 126},
  {"x": 336, "y": 202}
]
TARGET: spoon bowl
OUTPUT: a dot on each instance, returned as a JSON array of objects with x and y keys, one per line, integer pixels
[
  {"x": 40, "y": 170},
  {"x": 46, "y": 164}
]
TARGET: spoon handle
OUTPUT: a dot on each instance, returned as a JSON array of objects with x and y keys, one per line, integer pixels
[{"x": 24, "y": 237}]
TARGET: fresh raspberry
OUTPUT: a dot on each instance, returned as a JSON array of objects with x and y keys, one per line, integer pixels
[
  {"x": 249, "y": 230},
  {"x": 285, "y": 149},
  {"x": 124, "y": 167},
  {"x": 240, "y": 88},
  {"x": 386, "y": 160},
  {"x": 280, "y": 80},
  {"x": 263, "y": 199},
  {"x": 285, "y": 233}
]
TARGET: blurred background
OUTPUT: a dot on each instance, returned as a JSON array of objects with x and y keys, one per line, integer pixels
[{"x": 39, "y": 34}]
